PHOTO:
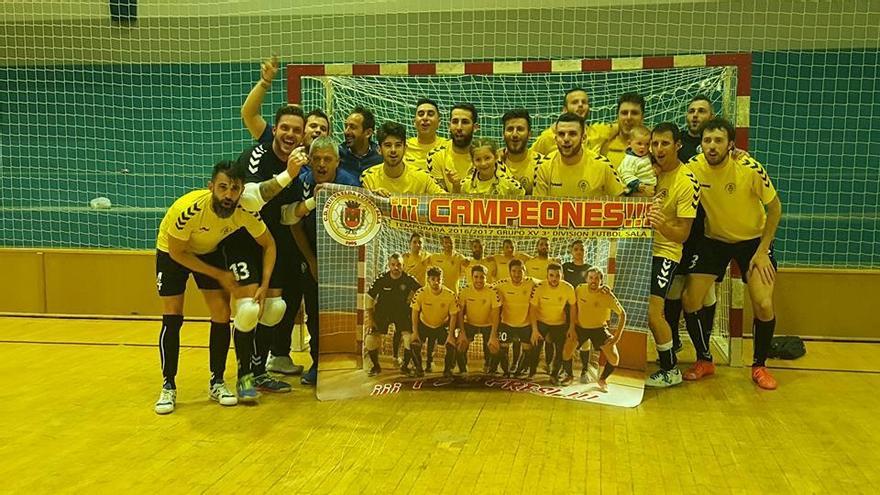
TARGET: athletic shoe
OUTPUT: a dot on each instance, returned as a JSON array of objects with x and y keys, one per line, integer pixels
[
  {"x": 283, "y": 365},
  {"x": 566, "y": 380},
  {"x": 663, "y": 378},
  {"x": 310, "y": 377},
  {"x": 245, "y": 389},
  {"x": 398, "y": 360},
  {"x": 447, "y": 374},
  {"x": 760, "y": 375},
  {"x": 222, "y": 395},
  {"x": 585, "y": 377},
  {"x": 265, "y": 383},
  {"x": 419, "y": 373},
  {"x": 699, "y": 370},
  {"x": 166, "y": 402},
  {"x": 406, "y": 371},
  {"x": 375, "y": 370},
  {"x": 603, "y": 385},
  {"x": 554, "y": 380},
  {"x": 429, "y": 368}
]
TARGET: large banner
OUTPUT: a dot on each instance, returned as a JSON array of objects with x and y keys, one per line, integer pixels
[{"x": 381, "y": 259}]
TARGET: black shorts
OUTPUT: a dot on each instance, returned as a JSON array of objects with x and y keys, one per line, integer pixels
[
  {"x": 662, "y": 271},
  {"x": 171, "y": 276},
  {"x": 507, "y": 333},
  {"x": 381, "y": 322},
  {"x": 596, "y": 336},
  {"x": 689, "y": 261},
  {"x": 240, "y": 247},
  {"x": 471, "y": 331},
  {"x": 556, "y": 333},
  {"x": 426, "y": 332},
  {"x": 713, "y": 256}
]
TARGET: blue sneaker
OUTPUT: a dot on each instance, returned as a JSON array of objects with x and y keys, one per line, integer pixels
[
  {"x": 245, "y": 389},
  {"x": 266, "y": 383},
  {"x": 310, "y": 377}
]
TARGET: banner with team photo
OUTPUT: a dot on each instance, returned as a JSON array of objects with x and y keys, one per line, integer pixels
[{"x": 359, "y": 232}]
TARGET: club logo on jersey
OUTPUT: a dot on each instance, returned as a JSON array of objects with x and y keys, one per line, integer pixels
[
  {"x": 583, "y": 185},
  {"x": 730, "y": 188},
  {"x": 351, "y": 218}
]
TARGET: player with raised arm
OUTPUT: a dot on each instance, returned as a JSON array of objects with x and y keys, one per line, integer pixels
[
  {"x": 515, "y": 293},
  {"x": 520, "y": 162},
  {"x": 433, "y": 316},
  {"x": 390, "y": 296},
  {"x": 189, "y": 242},
  {"x": 575, "y": 171},
  {"x": 591, "y": 315},
  {"x": 742, "y": 214},
  {"x": 394, "y": 175},
  {"x": 449, "y": 163},
  {"x": 486, "y": 176},
  {"x": 427, "y": 120},
  {"x": 550, "y": 321}
]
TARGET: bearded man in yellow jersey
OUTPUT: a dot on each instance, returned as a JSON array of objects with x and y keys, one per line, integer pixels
[
  {"x": 394, "y": 175},
  {"x": 742, "y": 213},
  {"x": 433, "y": 314},
  {"x": 574, "y": 171},
  {"x": 519, "y": 161},
  {"x": 426, "y": 122},
  {"x": 449, "y": 163},
  {"x": 549, "y": 319},
  {"x": 591, "y": 315},
  {"x": 478, "y": 313},
  {"x": 536, "y": 267},
  {"x": 515, "y": 293},
  {"x": 677, "y": 196},
  {"x": 630, "y": 115},
  {"x": 576, "y": 101},
  {"x": 451, "y": 262},
  {"x": 189, "y": 242},
  {"x": 508, "y": 253}
]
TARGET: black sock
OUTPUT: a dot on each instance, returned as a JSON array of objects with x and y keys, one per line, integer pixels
[
  {"x": 606, "y": 372},
  {"x": 672, "y": 313},
  {"x": 486, "y": 352},
  {"x": 763, "y": 334},
  {"x": 395, "y": 343},
  {"x": 549, "y": 349},
  {"x": 429, "y": 358},
  {"x": 517, "y": 352},
  {"x": 407, "y": 357},
  {"x": 667, "y": 357},
  {"x": 449, "y": 360},
  {"x": 695, "y": 330},
  {"x": 462, "y": 360},
  {"x": 244, "y": 350},
  {"x": 169, "y": 348},
  {"x": 557, "y": 360},
  {"x": 218, "y": 348},
  {"x": 520, "y": 363},
  {"x": 585, "y": 360},
  {"x": 707, "y": 319},
  {"x": 417, "y": 355},
  {"x": 567, "y": 366},
  {"x": 374, "y": 357},
  {"x": 505, "y": 365},
  {"x": 263, "y": 336},
  {"x": 534, "y": 358}
]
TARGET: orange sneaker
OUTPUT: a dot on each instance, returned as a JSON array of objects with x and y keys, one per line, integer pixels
[
  {"x": 699, "y": 370},
  {"x": 763, "y": 378}
]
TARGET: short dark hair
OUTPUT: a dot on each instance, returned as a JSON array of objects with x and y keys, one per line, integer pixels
[
  {"x": 466, "y": 106},
  {"x": 428, "y": 101},
  {"x": 478, "y": 268},
  {"x": 554, "y": 266},
  {"x": 571, "y": 117},
  {"x": 369, "y": 118},
  {"x": 576, "y": 242},
  {"x": 514, "y": 262},
  {"x": 634, "y": 98},
  {"x": 716, "y": 123},
  {"x": 701, "y": 97},
  {"x": 232, "y": 169},
  {"x": 295, "y": 110},
  {"x": 390, "y": 129},
  {"x": 434, "y": 271},
  {"x": 595, "y": 269},
  {"x": 570, "y": 91},
  {"x": 667, "y": 127},
  {"x": 414, "y": 235},
  {"x": 516, "y": 113},
  {"x": 318, "y": 113},
  {"x": 507, "y": 241}
]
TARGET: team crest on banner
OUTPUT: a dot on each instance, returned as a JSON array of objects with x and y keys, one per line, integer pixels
[{"x": 351, "y": 218}]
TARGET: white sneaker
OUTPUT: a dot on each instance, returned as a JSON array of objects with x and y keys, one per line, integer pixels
[
  {"x": 283, "y": 365},
  {"x": 222, "y": 395},
  {"x": 166, "y": 402},
  {"x": 662, "y": 378}
]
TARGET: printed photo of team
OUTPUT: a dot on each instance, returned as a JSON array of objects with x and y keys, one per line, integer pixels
[{"x": 250, "y": 240}]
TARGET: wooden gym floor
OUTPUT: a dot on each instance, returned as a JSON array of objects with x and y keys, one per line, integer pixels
[{"x": 77, "y": 415}]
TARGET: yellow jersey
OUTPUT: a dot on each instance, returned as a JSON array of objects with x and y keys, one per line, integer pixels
[
  {"x": 594, "y": 308},
  {"x": 502, "y": 264},
  {"x": 478, "y": 305},
  {"x": 597, "y": 134},
  {"x": 679, "y": 193},
  {"x": 416, "y": 265},
  {"x": 192, "y": 219},
  {"x": 411, "y": 181},
  {"x": 733, "y": 195},
  {"x": 489, "y": 263},
  {"x": 537, "y": 267},
  {"x": 417, "y": 153},
  {"x": 443, "y": 158},
  {"x": 451, "y": 265},
  {"x": 515, "y": 301},
  {"x": 500, "y": 184},
  {"x": 434, "y": 309},
  {"x": 615, "y": 149},
  {"x": 592, "y": 176},
  {"x": 524, "y": 171},
  {"x": 550, "y": 302}
]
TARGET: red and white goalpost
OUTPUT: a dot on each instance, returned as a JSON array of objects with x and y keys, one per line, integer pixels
[{"x": 667, "y": 83}]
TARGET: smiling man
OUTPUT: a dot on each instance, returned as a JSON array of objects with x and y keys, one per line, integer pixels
[
  {"x": 359, "y": 152},
  {"x": 394, "y": 175},
  {"x": 449, "y": 163},
  {"x": 520, "y": 162},
  {"x": 426, "y": 122},
  {"x": 630, "y": 114}
]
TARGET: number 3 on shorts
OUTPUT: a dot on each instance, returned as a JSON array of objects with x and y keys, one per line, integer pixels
[{"x": 240, "y": 270}]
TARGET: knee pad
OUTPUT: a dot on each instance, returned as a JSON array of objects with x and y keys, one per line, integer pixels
[
  {"x": 372, "y": 342},
  {"x": 676, "y": 288},
  {"x": 273, "y": 311},
  {"x": 710, "y": 298},
  {"x": 406, "y": 337},
  {"x": 247, "y": 313}
]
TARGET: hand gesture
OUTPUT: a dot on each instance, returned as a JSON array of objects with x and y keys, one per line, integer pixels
[
  {"x": 536, "y": 338},
  {"x": 268, "y": 69},
  {"x": 227, "y": 281},
  {"x": 260, "y": 296},
  {"x": 761, "y": 262},
  {"x": 453, "y": 178},
  {"x": 494, "y": 345},
  {"x": 295, "y": 161},
  {"x": 656, "y": 217}
]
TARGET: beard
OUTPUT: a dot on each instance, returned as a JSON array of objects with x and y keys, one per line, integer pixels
[
  {"x": 463, "y": 142},
  {"x": 516, "y": 148},
  {"x": 221, "y": 210}
]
